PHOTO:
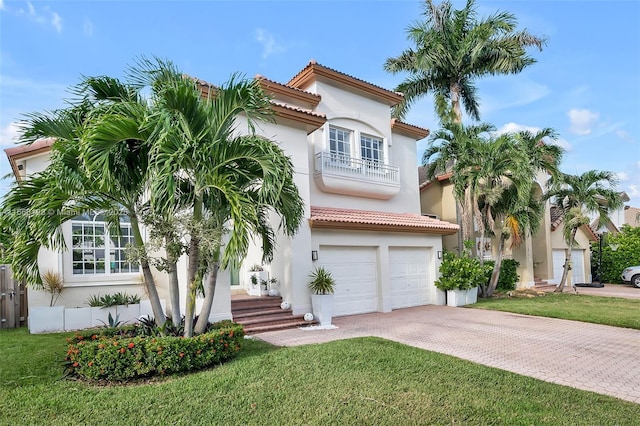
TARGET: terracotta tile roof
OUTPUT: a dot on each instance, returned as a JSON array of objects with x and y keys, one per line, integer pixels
[
  {"x": 314, "y": 69},
  {"x": 283, "y": 89},
  {"x": 632, "y": 216},
  {"x": 367, "y": 220},
  {"x": 24, "y": 150},
  {"x": 557, "y": 217},
  {"x": 410, "y": 130}
]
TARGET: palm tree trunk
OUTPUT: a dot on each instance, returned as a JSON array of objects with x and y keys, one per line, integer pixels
[
  {"x": 455, "y": 102},
  {"x": 467, "y": 219},
  {"x": 495, "y": 275},
  {"x": 567, "y": 263},
  {"x": 174, "y": 291},
  {"x": 209, "y": 294},
  {"x": 192, "y": 274},
  {"x": 149, "y": 282}
]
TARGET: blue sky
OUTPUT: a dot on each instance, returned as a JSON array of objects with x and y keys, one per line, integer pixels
[{"x": 586, "y": 84}]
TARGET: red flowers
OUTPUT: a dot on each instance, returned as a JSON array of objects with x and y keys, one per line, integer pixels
[
  {"x": 90, "y": 363},
  {"x": 181, "y": 354},
  {"x": 131, "y": 345},
  {"x": 122, "y": 350}
]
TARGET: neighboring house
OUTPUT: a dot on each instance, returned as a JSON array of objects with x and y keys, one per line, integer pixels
[
  {"x": 541, "y": 257},
  {"x": 355, "y": 170},
  {"x": 632, "y": 216}
]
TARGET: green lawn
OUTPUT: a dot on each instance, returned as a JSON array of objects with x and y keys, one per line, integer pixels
[
  {"x": 358, "y": 381},
  {"x": 595, "y": 309}
]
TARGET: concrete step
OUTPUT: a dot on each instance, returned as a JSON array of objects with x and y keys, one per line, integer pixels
[
  {"x": 255, "y": 303},
  {"x": 246, "y": 314},
  {"x": 254, "y": 329},
  {"x": 270, "y": 319}
]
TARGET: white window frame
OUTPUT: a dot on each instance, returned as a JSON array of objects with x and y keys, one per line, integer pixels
[
  {"x": 366, "y": 138},
  {"x": 355, "y": 149},
  {"x": 113, "y": 255},
  {"x": 343, "y": 155}
]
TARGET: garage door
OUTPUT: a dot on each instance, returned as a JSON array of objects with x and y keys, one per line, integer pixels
[
  {"x": 577, "y": 269},
  {"x": 409, "y": 276},
  {"x": 355, "y": 271}
]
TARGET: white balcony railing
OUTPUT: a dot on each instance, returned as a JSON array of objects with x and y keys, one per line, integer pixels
[{"x": 366, "y": 170}]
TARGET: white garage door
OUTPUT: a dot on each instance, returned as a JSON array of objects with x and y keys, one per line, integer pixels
[
  {"x": 409, "y": 276},
  {"x": 355, "y": 271},
  {"x": 577, "y": 268},
  {"x": 577, "y": 260}
]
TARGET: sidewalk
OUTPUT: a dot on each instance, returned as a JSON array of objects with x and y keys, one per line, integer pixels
[{"x": 591, "y": 357}]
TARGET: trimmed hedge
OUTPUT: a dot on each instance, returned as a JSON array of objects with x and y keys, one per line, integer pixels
[{"x": 125, "y": 357}]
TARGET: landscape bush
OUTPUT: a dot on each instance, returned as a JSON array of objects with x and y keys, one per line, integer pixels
[
  {"x": 459, "y": 272},
  {"x": 508, "y": 273},
  {"x": 627, "y": 253},
  {"x": 118, "y": 354}
]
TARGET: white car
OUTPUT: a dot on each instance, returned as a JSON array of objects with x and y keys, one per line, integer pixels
[{"x": 631, "y": 275}]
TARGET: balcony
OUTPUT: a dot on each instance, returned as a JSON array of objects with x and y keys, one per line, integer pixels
[{"x": 342, "y": 174}]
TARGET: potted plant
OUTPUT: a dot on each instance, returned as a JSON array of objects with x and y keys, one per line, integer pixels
[
  {"x": 460, "y": 278},
  {"x": 255, "y": 278},
  {"x": 322, "y": 286}
]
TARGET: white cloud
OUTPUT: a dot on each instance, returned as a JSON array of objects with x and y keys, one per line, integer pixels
[
  {"x": 515, "y": 127},
  {"x": 88, "y": 27},
  {"x": 625, "y": 136},
  {"x": 45, "y": 17},
  {"x": 582, "y": 120},
  {"x": 269, "y": 44},
  {"x": 9, "y": 134},
  {"x": 504, "y": 92},
  {"x": 56, "y": 21},
  {"x": 633, "y": 191},
  {"x": 1, "y": 4},
  {"x": 622, "y": 176}
]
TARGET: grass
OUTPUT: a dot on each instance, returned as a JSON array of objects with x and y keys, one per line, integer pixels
[
  {"x": 613, "y": 311},
  {"x": 357, "y": 381}
]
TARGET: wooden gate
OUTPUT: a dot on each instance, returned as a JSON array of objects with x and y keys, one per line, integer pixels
[{"x": 13, "y": 300}]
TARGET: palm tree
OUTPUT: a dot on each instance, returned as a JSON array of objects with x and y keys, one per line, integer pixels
[
  {"x": 98, "y": 162},
  {"x": 451, "y": 150},
  {"x": 452, "y": 49},
  {"x": 234, "y": 182},
  {"x": 578, "y": 195}
]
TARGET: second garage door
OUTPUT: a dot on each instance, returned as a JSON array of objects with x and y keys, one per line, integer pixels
[
  {"x": 355, "y": 272},
  {"x": 409, "y": 276},
  {"x": 577, "y": 267}
]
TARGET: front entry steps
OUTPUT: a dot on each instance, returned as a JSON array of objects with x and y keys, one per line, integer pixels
[
  {"x": 261, "y": 314},
  {"x": 543, "y": 285}
]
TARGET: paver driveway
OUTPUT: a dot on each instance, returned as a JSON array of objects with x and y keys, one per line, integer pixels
[{"x": 592, "y": 357}]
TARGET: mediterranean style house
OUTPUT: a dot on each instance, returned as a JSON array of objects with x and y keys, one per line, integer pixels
[
  {"x": 355, "y": 168},
  {"x": 541, "y": 257}
]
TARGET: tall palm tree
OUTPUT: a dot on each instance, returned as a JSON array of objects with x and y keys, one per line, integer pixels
[
  {"x": 452, "y": 49},
  {"x": 579, "y": 195},
  {"x": 451, "y": 150},
  {"x": 235, "y": 180}
]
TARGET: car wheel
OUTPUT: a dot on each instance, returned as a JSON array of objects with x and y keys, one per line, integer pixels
[{"x": 635, "y": 280}]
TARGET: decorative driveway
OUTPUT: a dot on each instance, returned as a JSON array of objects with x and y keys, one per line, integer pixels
[{"x": 592, "y": 357}]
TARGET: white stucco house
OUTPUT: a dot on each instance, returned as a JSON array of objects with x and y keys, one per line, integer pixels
[{"x": 355, "y": 168}]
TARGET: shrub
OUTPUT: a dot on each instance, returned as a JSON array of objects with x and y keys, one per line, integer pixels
[
  {"x": 109, "y": 300},
  {"x": 121, "y": 355},
  {"x": 508, "y": 273},
  {"x": 627, "y": 253},
  {"x": 459, "y": 273}
]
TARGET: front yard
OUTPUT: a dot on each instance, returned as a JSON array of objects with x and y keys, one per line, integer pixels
[{"x": 358, "y": 381}]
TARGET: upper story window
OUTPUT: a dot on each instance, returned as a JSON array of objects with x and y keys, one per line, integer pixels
[
  {"x": 340, "y": 141},
  {"x": 95, "y": 251},
  {"x": 371, "y": 149}
]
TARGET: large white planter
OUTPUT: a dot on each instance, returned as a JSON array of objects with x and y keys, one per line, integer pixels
[
  {"x": 472, "y": 295},
  {"x": 77, "y": 318},
  {"x": 322, "y": 308},
  {"x": 462, "y": 297},
  {"x": 456, "y": 297},
  {"x": 45, "y": 319},
  {"x": 128, "y": 314},
  {"x": 100, "y": 316}
]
